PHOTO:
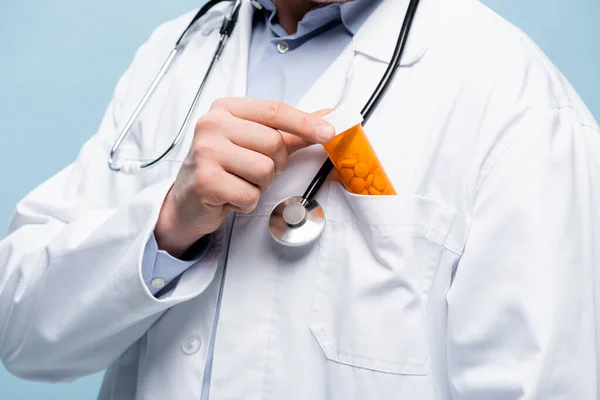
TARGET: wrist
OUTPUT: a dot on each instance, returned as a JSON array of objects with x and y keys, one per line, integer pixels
[{"x": 171, "y": 234}]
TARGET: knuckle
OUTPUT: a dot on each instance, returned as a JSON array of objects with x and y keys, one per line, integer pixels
[
  {"x": 220, "y": 104},
  {"x": 203, "y": 148},
  {"x": 208, "y": 123},
  {"x": 281, "y": 164},
  {"x": 275, "y": 143},
  {"x": 249, "y": 197},
  {"x": 206, "y": 173},
  {"x": 265, "y": 167}
]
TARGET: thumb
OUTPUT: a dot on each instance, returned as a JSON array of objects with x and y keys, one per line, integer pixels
[{"x": 295, "y": 143}]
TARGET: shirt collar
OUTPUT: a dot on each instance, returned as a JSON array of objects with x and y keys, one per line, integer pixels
[{"x": 352, "y": 15}]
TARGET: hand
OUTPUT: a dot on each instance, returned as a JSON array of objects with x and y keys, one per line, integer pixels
[{"x": 238, "y": 148}]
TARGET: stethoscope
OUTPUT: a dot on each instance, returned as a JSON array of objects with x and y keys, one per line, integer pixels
[{"x": 295, "y": 221}]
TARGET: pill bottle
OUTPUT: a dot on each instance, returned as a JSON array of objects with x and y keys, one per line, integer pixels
[{"x": 353, "y": 157}]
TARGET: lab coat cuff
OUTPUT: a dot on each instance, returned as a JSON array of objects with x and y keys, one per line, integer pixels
[{"x": 131, "y": 281}]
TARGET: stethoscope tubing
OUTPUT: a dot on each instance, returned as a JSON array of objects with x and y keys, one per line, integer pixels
[
  {"x": 313, "y": 212},
  {"x": 226, "y": 30},
  {"x": 373, "y": 102}
]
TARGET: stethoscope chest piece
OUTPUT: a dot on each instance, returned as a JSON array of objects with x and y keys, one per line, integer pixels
[{"x": 296, "y": 222}]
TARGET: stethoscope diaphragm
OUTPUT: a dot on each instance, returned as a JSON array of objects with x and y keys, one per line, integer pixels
[{"x": 296, "y": 222}]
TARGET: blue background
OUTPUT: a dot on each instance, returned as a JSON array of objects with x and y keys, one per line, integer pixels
[{"x": 61, "y": 59}]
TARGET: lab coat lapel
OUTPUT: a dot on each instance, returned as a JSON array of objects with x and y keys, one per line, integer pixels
[
  {"x": 352, "y": 78},
  {"x": 328, "y": 90},
  {"x": 228, "y": 78},
  {"x": 230, "y": 73},
  {"x": 377, "y": 36},
  {"x": 233, "y": 64}
]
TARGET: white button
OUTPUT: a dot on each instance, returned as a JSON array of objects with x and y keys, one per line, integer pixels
[
  {"x": 283, "y": 47},
  {"x": 191, "y": 344},
  {"x": 158, "y": 283}
]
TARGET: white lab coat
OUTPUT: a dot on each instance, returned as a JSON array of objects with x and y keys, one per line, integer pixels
[{"x": 479, "y": 280}]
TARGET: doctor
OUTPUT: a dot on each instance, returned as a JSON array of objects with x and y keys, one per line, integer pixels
[{"x": 479, "y": 280}]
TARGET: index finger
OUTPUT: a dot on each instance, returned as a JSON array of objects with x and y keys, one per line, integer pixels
[{"x": 280, "y": 116}]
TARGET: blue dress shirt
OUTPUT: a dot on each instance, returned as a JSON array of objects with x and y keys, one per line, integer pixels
[{"x": 281, "y": 67}]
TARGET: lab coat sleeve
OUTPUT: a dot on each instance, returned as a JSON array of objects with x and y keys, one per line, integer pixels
[
  {"x": 72, "y": 295},
  {"x": 523, "y": 305}
]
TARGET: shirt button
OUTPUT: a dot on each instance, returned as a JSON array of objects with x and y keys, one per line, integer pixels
[
  {"x": 158, "y": 283},
  {"x": 283, "y": 47},
  {"x": 191, "y": 345}
]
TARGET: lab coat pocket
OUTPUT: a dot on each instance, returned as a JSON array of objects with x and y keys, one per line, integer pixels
[{"x": 377, "y": 260}]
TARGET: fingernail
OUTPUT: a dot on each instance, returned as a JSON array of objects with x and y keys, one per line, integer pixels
[{"x": 325, "y": 132}]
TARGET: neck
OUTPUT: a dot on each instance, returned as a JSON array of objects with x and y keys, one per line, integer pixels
[{"x": 291, "y": 12}]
